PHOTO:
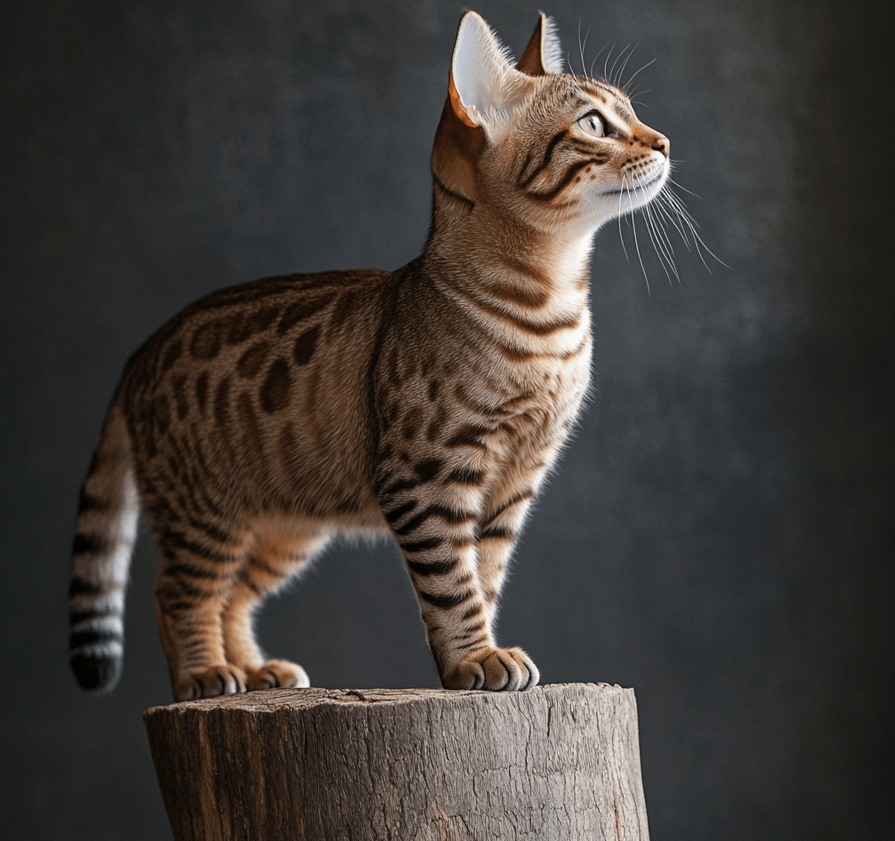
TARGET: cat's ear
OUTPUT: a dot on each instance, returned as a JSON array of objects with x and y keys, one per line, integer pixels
[
  {"x": 543, "y": 55},
  {"x": 483, "y": 91},
  {"x": 484, "y": 87}
]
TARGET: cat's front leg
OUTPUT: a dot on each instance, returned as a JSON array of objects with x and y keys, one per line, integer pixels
[{"x": 435, "y": 508}]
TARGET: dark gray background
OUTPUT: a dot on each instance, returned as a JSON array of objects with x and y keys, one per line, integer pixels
[{"x": 720, "y": 533}]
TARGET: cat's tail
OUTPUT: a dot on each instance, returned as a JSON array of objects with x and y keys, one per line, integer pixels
[{"x": 107, "y": 527}]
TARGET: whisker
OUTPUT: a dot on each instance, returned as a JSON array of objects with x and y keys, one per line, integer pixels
[
  {"x": 621, "y": 69},
  {"x": 595, "y": 59},
  {"x": 652, "y": 235},
  {"x": 692, "y": 224},
  {"x": 634, "y": 76},
  {"x": 606, "y": 62},
  {"x": 612, "y": 73},
  {"x": 637, "y": 247},
  {"x": 681, "y": 187},
  {"x": 581, "y": 46},
  {"x": 661, "y": 243},
  {"x": 662, "y": 207},
  {"x": 620, "y": 214},
  {"x": 638, "y": 92}
]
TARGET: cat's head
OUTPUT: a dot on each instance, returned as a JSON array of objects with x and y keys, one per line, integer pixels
[{"x": 553, "y": 150}]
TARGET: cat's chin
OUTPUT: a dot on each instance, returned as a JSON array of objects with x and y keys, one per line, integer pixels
[{"x": 630, "y": 197}]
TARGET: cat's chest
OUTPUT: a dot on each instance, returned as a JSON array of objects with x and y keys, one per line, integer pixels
[{"x": 540, "y": 399}]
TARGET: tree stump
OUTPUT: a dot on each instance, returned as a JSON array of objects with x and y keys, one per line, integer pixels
[{"x": 557, "y": 762}]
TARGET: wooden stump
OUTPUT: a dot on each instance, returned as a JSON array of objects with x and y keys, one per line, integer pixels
[{"x": 556, "y": 762}]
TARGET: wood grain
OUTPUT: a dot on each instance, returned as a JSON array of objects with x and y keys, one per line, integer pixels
[{"x": 556, "y": 762}]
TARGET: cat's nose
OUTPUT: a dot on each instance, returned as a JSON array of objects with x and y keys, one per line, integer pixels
[{"x": 661, "y": 144}]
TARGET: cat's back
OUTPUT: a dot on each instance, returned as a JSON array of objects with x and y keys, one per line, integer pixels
[
  {"x": 250, "y": 374},
  {"x": 243, "y": 329}
]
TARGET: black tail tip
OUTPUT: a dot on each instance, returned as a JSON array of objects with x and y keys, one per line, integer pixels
[{"x": 96, "y": 674}]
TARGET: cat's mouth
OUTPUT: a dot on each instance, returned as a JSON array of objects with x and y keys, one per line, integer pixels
[{"x": 643, "y": 185}]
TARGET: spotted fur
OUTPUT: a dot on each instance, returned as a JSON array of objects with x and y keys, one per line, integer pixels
[{"x": 428, "y": 402}]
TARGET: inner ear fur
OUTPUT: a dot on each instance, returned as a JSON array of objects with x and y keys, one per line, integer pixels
[
  {"x": 464, "y": 127},
  {"x": 460, "y": 137}
]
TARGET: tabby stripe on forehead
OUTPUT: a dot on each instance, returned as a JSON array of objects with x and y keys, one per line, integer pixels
[
  {"x": 525, "y": 180},
  {"x": 596, "y": 87}
]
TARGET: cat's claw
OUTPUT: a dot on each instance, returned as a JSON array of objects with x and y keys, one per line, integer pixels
[
  {"x": 210, "y": 682},
  {"x": 278, "y": 673},
  {"x": 494, "y": 670}
]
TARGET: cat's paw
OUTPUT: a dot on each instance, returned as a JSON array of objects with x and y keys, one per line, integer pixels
[
  {"x": 495, "y": 670},
  {"x": 209, "y": 682},
  {"x": 278, "y": 673}
]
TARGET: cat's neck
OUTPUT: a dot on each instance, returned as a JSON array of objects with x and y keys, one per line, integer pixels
[{"x": 484, "y": 250}]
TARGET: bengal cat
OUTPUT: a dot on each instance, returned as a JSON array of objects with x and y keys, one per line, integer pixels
[{"x": 428, "y": 402}]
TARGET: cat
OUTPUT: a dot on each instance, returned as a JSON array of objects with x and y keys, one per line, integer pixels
[{"x": 428, "y": 402}]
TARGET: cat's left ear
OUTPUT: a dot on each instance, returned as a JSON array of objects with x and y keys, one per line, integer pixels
[
  {"x": 543, "y": 55},
  {"x": 485, "y": 89}
]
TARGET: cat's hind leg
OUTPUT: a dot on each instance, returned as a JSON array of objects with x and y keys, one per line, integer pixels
[
  {"x": 200, "y": 567},
  {"x": 274, "y": 556}
]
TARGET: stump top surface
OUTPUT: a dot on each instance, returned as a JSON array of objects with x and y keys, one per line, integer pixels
[{"x": 278, "y": 700}]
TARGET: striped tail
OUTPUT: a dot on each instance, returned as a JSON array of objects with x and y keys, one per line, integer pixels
[{"x": 107, "y": 526}]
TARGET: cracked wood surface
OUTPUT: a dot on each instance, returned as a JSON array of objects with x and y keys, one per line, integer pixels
[{"x": 557, "y": 762}]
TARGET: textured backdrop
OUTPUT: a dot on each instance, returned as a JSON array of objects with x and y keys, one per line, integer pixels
[{"x": 719, "y": 535}]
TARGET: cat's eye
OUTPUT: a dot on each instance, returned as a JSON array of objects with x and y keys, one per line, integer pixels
[{"x": 592, "y": 124}]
